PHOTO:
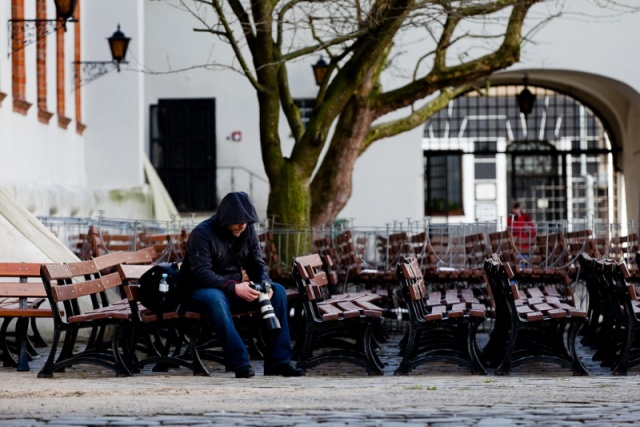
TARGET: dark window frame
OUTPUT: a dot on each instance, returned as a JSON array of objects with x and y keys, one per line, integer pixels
[{"x": 443, "y": 196}]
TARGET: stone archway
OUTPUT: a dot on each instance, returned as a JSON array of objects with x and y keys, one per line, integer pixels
[
  {"x": 557, "y": 159},
  {"x": 618, "y": 106}
]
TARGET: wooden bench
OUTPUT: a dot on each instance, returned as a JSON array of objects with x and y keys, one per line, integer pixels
[
  {"x": 442, "y": 323},
  {"x": 116, "y": 298},
  {"x": 529, "y": 328},
  {"x": 278, "y": 270},
  {"x": 21, "y": 297},
  {"x": 350, "y": 268},
  {"x": 614, "y": 314},
  {"x": 338, "y": 328},
  {"x": 169, "y": 247},
  {"x": 159, "y": 337},
  {"x": 624, "y": 249},
  {"x": 593, "y": 334},
  {"x": 75, "y": 292},
  {"x": 629, "y": 304},
  {"x": 446, "y": 260},
  {"x": 82, "y": 300}
]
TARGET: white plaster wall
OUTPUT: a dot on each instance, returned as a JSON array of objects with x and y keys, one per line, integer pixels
[
  {"x": 114, "y": 112},
  {"x": 41, "y": 164},
  {"x": 172, "y": 45},
  {"x": 113, "y": 104},
  {"x": 388, "y": 183},
  {"x": 588, "y": 38}
]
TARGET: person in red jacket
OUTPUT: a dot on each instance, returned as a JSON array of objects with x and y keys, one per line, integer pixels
[{"x": 522, "y": 228}]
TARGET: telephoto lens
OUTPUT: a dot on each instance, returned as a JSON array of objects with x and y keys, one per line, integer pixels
[{"x": 268, "y": 315}]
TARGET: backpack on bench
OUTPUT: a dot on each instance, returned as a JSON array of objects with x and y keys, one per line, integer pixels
[{"x": 152, "y": 296}]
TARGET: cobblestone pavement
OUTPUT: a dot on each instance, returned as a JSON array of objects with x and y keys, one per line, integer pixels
[{"x": 330, "y": 395}]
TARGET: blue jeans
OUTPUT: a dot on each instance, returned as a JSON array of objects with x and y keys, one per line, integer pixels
[{"x": 217, "y": 307}]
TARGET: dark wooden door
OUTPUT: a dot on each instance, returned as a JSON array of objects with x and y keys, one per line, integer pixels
[{"x": 183, "y": 151}]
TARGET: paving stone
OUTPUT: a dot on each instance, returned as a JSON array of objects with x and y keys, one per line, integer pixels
[
  {"x": 25, "y": 422},
  {"x": 457, "y": 412}
]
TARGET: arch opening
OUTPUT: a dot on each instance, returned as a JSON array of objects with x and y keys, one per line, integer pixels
[{"x": 557, "y": 161}]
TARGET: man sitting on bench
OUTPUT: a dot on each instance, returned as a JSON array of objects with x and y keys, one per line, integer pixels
[{"x": 218, "y": 250}]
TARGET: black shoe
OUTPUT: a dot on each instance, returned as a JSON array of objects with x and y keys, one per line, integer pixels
[
  {"x": 245, "y": 372},
  {"x": 284, "y": 370}
]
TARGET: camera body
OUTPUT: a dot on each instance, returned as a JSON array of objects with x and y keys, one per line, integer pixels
[
  {"x": 266, "y": 309},
  {"x": 264, "y": 287}
]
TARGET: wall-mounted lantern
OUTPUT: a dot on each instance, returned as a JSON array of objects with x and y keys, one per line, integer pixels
[
  {"x": 525, "y": 99},
  {"x": 320, "y": 70},
  {"x": 87, "y": 71}
]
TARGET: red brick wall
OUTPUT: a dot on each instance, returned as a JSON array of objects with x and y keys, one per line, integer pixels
[
  {"x": 41, "y": 63},
  {"x": 63, "y": 121},
  {"x": 77, "y": 57},
  {"x": 18, "y": 72}
]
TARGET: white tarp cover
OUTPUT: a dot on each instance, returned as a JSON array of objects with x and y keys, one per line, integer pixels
[
  {"x": 23, "y": 238},
  {"x": 163, "y": 206}
]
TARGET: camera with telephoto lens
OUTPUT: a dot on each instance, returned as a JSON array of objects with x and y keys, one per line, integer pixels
[{"x": 266, "y": 309}]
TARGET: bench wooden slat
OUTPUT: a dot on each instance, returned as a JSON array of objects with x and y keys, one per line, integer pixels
[
  {"x": 19, "y": 290},
  {"x": 349, "y": 309},
  {"x": 19, "y": 269},
  {"x": 25, "y": 312},
  {"x": 329, "y": 312}
]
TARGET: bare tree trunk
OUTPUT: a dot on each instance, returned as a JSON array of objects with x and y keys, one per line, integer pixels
[
  {"x": 289, "y": 199},
  {"x": 333, "y": 183},
  {"x": 288, "y": 211}
]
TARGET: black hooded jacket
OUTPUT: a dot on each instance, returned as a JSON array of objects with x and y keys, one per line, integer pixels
[{"x": 215, "y": 257}]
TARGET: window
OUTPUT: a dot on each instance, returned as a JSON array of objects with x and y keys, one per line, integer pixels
[
  {"x": 485, "y": 160},
  {"x": 305, "y": 106},
  {"x": 443, "y": 183}
]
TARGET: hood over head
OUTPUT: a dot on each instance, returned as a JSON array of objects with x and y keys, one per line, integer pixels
[{"x": 236, "y": 208}]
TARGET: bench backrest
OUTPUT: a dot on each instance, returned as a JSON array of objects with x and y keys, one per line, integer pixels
[
  {"x": 20, "y": 269},
  {"x": 312, "y": 283},
  {"x": 476, "y": 250},
  {"x": 68, "y": 284},
  {"x": 309, "y": 272},
  {"x": 413, "y": 288},
  {"x": 624, "y": 248},
  {"x": 108, "y": 262},
  {"x": 551, "y": 251},
  {"x": 120, "y": 242},
  {"x": 21, "y": 279},
  {"x": 346, "y": 256},
  {"x": 330, "y": 268},
  {"x": 410, "y": 274}
]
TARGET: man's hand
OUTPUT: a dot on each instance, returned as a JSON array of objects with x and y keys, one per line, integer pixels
[{"x": 246, "y": 292}]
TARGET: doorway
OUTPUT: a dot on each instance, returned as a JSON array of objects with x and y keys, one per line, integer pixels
[
  {"x": 537, "y": 179},
  {"x": 183, "y": 151}
]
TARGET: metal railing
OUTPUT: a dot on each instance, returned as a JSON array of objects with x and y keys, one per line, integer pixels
[
  {"x": 289, "y": 240},
  {"x": 248, "y": 178}
]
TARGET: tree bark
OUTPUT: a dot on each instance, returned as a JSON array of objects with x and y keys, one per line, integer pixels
[{"x": 333, "y": 183}]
